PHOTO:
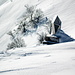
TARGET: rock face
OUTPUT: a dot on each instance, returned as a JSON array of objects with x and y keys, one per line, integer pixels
[
  {"x": 57, "y": 24},
  {"x": 56, "y": 34}
]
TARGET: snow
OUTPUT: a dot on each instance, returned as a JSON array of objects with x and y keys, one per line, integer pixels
[
  {"x": 2, "y": 2},
  {"x": 57, "y": 59},
  {"x": 46, "y": 60}
]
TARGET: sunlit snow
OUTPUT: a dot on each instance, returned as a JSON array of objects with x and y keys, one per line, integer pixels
[{"x": 57, "y": 59}]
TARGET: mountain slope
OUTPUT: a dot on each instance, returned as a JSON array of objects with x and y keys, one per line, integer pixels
[
  {"x": 11, "y": 11},
  {"x": 65, "y": 10},
  {"x": 57, "y": 59}
]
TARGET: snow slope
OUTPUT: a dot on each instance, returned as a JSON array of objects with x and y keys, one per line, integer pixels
[
  {"x": 47, "y": 60},
  {"x": 10, "y": 12},
  {"x": 58, "y": 59},
  {"x": 64, "y": 9}
]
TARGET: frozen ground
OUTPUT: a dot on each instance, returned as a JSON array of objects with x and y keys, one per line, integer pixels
[{"x": 58, "y": 59}]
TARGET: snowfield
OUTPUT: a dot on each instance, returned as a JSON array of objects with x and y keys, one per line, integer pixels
[
  {"x": 57, "y": 59},
  {"x": 46, "y": 60}
]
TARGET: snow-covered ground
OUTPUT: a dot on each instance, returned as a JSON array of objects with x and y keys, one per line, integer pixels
[
  {"x": 58, "y": 59},
  {"x": 47, "y": 60}
]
